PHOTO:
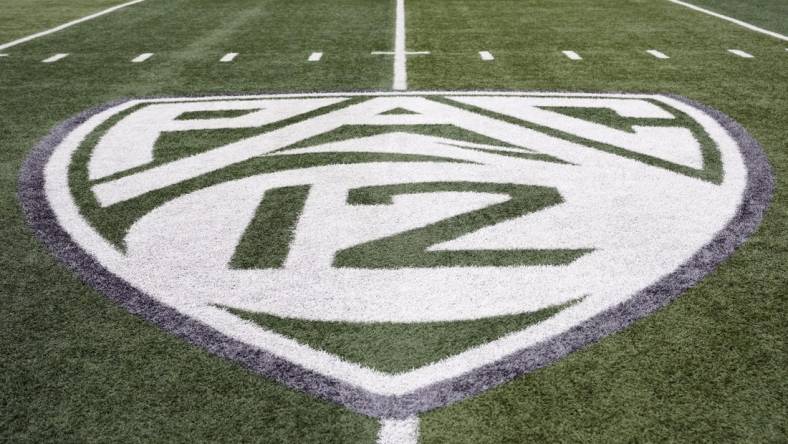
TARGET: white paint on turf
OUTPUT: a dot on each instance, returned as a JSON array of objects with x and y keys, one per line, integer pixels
[
  {"x": 486, "y": 56},
  {"x": 400, "y": 58},
  {"x": 144, "y": 128},
  {"x": 315, "y": 57},
  {"x": 637, "y": 217},
  {"x": 55, "y": 58},
  {"x": 406, "y": 53},
  {"x": 399, "y": 431},
  {"x": 142, "y": 57},
  {"x": 229, "y": 57},
  {"x": 658, "y": 54},
  {"x": 572, "y": 55},
  {"x": 732, "y": 20},
  {"x": 67, "y": 25},
  {"x": 400, "y": 52},
  {"x": 741, "y": 53}
]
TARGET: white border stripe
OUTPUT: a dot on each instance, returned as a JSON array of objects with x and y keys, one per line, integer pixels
[
  {"x": 741, "y": 53},
  {"x": 55, "y": 58},
  {"x": 399, "y": 431},
  {"x": 67, "y": 25},
  {"x": 732, "y": 20}
]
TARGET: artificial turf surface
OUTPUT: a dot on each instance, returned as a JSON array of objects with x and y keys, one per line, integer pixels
[{"x": 710, "y": 367}]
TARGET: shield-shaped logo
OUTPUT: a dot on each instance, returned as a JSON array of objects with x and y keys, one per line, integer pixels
[{"x": 395, "y": 252}]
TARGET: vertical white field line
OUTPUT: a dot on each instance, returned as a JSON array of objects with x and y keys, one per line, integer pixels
[
  {"x": 229, "y": 57},
  {"x": 486, "y": 56},
  {"x": 741, "y": 53},
  {"x": 399, "y": 431},
  {"x": 67, "y": 25},
  {"x": 55, "y": 58},
  {"x": 657, "y": 54},
  {"x": 142, "y": 57},
  {"x": 315, "y": 57},
  {"x": 732, "y": 20},
  {"x": 400, "y": 58}
]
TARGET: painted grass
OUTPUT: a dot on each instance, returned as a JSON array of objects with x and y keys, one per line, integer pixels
[{"x": 710, "y": 367}]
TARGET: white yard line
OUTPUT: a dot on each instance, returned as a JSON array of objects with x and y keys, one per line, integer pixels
[
  {"x": 572, "y": 55},
  {"x": 732, "y": 20},
  {"x": 400, "y": 58},
  {"x": 54, "y": 58},
  {"x": 142, "y": 57},
  {"x": 400, "y": 52},
  {"x": 315, "y": 57},
  {"x": 406, "y": 52},
  {"x": 741, "y": 53},
  {"x": 229, "y": 57},
  {"x": 486, "y": 56},
  {"x": 658, "y": 54},
  {"x": 67, "y": 25},
  {"x": 399, "y": 431}
]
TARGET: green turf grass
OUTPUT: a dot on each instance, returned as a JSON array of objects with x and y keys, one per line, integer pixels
[
  {"x": 710, "y": 367},
  {"x": 21, "y": 18},
  {"x": 768, "y": 14},
  {"x": 396, "y": 347}
]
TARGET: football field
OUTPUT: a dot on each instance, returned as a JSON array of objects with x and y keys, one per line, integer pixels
[{"x": 114, "y": 327}]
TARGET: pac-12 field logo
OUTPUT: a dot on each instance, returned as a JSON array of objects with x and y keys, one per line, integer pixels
[{"x": 395, "y": 252}]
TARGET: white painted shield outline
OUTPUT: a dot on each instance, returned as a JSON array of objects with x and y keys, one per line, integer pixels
[{"x": 358, "y": 388}]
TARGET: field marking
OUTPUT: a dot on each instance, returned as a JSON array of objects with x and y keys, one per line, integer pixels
[
  {"x": 55, "y": 58},
  {"x": 79, "y": 137},
  {"x": 399, "y": 431},
  {"x": 229, "y": 57},
  {"x": 741, "y": 53},
  {"x": 406, "y": 53},
  {"x": 400, "y": 53},
  {"x": 732, "y": 20},
  {"x": 3, "y": 55},
  {"x": 486, "y": 56},
  {"x": 315, "y": 57},
  {"x": 572, "y": 55},
  {"x": 142, "y": 57},
  {"x": 658, "y": 54},
  {"x": 400, "y": 58},
  {"x": 67, "y": 25}
]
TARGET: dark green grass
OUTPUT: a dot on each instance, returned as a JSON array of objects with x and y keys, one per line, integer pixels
[
  {"x": 397, "y": 347},
  {"x": 709, "y": 368},
  {"x": 22, "y": 18},
  {"x": 768, "y": 14}
]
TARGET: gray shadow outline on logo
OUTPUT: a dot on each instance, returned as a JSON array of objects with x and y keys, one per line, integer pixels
[{"x": 42, "y": 220}]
